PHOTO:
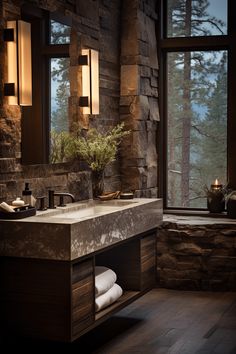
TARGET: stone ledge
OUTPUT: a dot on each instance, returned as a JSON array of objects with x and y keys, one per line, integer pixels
[
  {"x": 197, "y": 253},
  {"x": 197, "y": 220}
]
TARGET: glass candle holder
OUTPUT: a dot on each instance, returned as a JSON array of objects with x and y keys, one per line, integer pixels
[{"x": 215, "y": 198}]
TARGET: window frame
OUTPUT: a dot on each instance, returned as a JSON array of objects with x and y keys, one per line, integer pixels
[{"x": 204, "y": 43}]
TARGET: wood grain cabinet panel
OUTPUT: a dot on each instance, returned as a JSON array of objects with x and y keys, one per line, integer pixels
[
  {"x": 35, "y": 298},
  {"x": 82, "y": 296},
  {"x": 148, "y": 261}
]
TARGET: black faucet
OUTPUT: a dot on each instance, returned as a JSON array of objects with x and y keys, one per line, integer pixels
[{"x": 52, "y": 194}]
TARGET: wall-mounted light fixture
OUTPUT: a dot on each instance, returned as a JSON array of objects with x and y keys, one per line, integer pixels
[
  {"x": 18, "y": 87},
  {"x": 89, "y": 99}
]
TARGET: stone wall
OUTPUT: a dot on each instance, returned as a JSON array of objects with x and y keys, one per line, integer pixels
[
  {"x": 139, "y": 97},
  {"x": 96, "y": 24},
  {"x": 196, "y": 253}
]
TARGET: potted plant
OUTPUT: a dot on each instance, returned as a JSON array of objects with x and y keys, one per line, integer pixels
[{"x": 97, "y": 149}]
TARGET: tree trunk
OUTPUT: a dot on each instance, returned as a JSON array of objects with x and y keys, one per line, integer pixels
[{"x": 186, "y": 120}]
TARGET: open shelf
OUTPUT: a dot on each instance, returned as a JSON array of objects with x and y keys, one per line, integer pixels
[{"x": 125, "y": 299}]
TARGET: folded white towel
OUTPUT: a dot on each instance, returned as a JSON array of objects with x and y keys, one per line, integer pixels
[
  {"x": 105, "y": 278},
  {"x": 108, "y": 298}
]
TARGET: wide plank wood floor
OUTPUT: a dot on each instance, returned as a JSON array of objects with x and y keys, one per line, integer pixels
[{"x": 161, "y": 322}]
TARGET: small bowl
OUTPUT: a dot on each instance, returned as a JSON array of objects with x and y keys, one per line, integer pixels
[{"x": 128, "y": 195}]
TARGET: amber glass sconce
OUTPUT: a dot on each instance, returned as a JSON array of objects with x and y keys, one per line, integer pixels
[
  {"x": 18, "y": 88},
  {"x": 89, "y": 99}
]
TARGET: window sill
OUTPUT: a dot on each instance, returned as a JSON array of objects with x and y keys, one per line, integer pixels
[
  {"x": 197, "y": 218},
  {"x": 204, "y": 213}
]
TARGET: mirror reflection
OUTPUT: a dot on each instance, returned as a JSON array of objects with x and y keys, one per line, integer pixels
[{"x": 59, "y": 93}]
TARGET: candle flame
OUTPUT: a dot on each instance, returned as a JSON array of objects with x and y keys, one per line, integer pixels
[{"x": 216, "y": 182}]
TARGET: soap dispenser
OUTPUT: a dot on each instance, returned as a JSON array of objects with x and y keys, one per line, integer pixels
[{"x": 27, "y": 195}]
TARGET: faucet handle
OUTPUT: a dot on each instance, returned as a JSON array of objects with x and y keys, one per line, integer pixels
[
  {"x": 42, "y": 202},
  {"x": 51, "y": 199}
]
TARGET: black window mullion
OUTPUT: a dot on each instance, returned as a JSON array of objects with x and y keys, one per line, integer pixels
[{"x": 56, "y": 50}]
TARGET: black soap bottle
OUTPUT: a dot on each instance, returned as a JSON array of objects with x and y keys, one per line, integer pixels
[{"x": 27, "y": 195}]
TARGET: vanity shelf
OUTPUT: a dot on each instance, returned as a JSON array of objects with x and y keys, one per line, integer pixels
[
  {"x": 124, "y": 300},
  {"x": 55, "y": 300}
]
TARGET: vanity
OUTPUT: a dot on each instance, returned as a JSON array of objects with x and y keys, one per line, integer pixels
[{"x": 48, "y": 260}]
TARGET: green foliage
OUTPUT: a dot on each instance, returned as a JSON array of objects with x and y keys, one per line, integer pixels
[
  {"x": 60, "y": 75},
  {"x": 97, "y": 149},
  {"x": 62, "y": 147}
]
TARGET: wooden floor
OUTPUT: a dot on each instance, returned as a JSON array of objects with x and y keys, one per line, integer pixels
[{"x": 161, "y": 322}]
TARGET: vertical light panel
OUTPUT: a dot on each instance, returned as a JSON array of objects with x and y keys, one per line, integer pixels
[
  {"x": 89, "y": 99},
  {"x": 24, "y": 63},
  {"x": 86, "y": 81},
  {"x": 94, "y": 65},
  {"x": 19, "y": 72},
  {"x": 12, "y": 64}
]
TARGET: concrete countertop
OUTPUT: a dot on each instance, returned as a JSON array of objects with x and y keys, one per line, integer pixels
[{"x": 52, "y": 235}]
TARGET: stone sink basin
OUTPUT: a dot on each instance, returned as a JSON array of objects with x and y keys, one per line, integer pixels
[
  {"x": 79, "y": 229},
  {"x": 86, "y": 210}
]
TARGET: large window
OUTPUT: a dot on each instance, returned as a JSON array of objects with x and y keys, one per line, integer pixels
[{"x": 196, "y": 99}]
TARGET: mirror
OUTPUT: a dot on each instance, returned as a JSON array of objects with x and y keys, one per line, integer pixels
[{"x": 47, "y": 120}]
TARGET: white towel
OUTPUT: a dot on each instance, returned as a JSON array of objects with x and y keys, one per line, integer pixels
[
  {"x": 6, "y": 208},
  {"x": 105, "y": 278},
  {"x": 108, "y": 298}
]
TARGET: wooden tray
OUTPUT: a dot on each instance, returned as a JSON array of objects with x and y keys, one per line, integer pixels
[
  {"x": 109, "y": 195},
  {"x": 20, "y": 213}
]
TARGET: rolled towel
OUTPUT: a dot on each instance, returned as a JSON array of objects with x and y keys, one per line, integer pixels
[
  {"x": 105, "y": 278},
  {"x": 6, "y": 208},
  {"x": 108, "y": 298}
]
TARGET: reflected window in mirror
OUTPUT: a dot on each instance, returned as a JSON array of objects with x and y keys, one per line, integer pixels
[
  {"x": 59, "y": 33},
  {"x": 59, "y": 118},
  {"x": 51, "y": 86},
  {"x": 59, "y": 93}
]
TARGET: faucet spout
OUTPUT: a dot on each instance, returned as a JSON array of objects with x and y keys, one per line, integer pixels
[{"x": 61, "y": 195}]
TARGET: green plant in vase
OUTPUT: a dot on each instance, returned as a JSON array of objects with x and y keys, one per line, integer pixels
[{"x": 98, "y": 150}]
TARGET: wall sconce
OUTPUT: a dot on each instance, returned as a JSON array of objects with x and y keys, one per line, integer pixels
[
  {"x": 90, "y": 81},
  {"x": 18, "y": 88}
]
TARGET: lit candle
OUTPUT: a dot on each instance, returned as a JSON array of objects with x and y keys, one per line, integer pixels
[{"x": 216, "y": 186}]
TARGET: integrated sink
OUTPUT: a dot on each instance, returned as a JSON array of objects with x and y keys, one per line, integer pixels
[
  {"x": 86, "y": 209},
  {"x": 85, "y": 212},
  {"x": 78, "y": 229}
]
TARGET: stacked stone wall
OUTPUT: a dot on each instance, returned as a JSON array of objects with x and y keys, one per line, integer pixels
[
  {"x": 95, "y": 24},
  {"x": 124, "y": 34},
  {"x": 196, "y": 254},
  {"x": 139, "y": 97}
]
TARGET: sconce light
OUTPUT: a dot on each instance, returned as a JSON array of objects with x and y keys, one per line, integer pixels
[
  {"x": 18, "y": 88},
  {"x": 90, "y": 81}
]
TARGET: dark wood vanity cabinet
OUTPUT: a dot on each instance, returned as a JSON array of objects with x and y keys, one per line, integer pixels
[{"x": 55, "y": 299}]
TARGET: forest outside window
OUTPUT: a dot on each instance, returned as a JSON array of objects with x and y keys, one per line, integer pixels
[
  {"x": 59, "y": 92},
  {"x": 195, "y": 55}
]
